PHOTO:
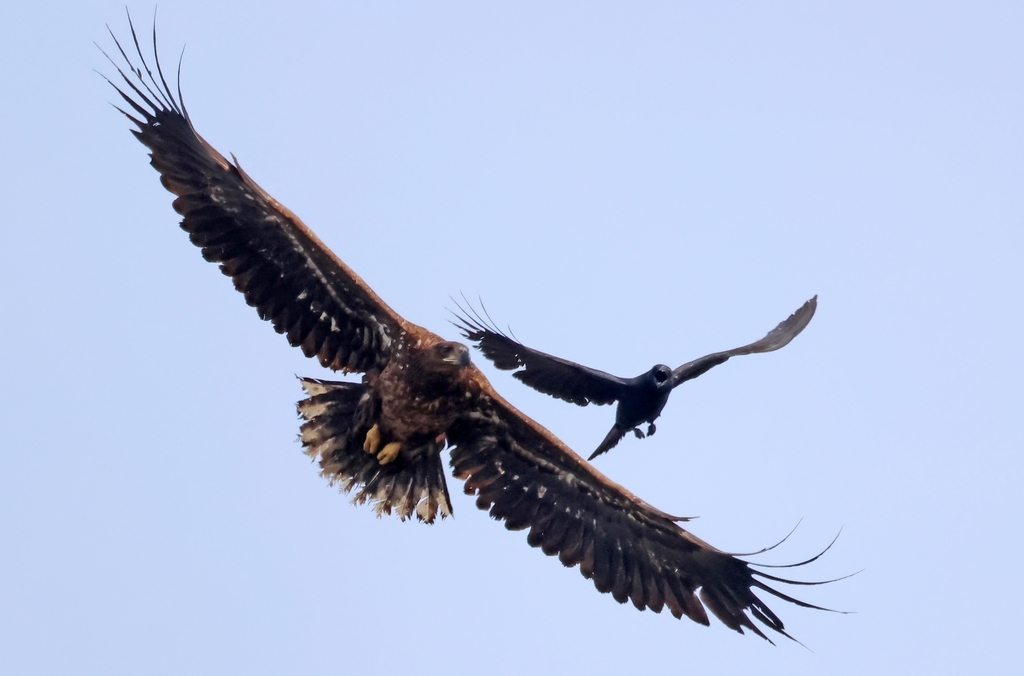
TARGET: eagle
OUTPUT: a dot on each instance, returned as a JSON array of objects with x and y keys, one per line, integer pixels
[
  {"x": 380, "y": 438},
  {"x": 641, "y": 399}
]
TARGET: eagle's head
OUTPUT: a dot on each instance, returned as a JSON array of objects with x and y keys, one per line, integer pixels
[{"x": 446, "y": 357}]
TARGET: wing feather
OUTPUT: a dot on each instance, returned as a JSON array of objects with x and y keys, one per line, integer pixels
[
  {"x": 526, "y": 477},
  {"x": 775, "y": 339},
  {"x": 274, "y": 260},
  {"x": 560, "y": 378}
]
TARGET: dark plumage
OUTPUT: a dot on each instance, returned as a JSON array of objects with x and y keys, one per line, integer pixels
[
  {"x": 641, "y": 399},
  {"x": 381, "y": 437}
]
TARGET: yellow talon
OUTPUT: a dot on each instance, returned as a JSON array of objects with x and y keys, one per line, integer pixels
[
  {"x": 389, "y": 452},
  {"x": 372, "y": 442}
]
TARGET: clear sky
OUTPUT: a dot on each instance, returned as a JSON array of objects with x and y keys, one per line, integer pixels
[{"x": 623, "y": 184}]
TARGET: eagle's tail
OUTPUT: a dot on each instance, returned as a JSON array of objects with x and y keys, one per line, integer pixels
[{"x": 338, "y": 416}]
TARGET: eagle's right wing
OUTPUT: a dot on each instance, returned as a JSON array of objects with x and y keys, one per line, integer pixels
[{"x": 285, "y": 272}]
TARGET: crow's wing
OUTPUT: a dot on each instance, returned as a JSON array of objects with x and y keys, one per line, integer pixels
[
  {"x": 545, "y": 373},
  {"x": 777, "y": 338}
]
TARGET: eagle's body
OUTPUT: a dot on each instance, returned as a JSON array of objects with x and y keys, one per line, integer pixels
[
  {"x": 407, "y": 407},
  {"x": 421, "y": 391},
  {"x": 380, "y": 438}
]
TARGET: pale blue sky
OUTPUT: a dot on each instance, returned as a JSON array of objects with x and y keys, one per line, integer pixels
[{"x": 623, "y": 184}]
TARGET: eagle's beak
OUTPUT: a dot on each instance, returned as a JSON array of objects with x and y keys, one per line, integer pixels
[{"x": 459, "y": 357}]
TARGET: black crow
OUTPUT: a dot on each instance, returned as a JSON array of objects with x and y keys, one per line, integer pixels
[{"x": 641, "y": 399}]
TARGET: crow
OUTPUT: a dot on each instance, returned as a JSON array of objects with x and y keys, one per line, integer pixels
[{"x": 641, "y": 399}]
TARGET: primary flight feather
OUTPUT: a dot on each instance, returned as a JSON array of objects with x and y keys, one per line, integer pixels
[
  {"x": 641, "y": 399},
  {"x": 381, "y": 437}
]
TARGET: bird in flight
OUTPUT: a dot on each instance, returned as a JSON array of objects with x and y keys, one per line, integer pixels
[
  {"x": 380, "y": 437},
  {"x": 641, "y": 399}
]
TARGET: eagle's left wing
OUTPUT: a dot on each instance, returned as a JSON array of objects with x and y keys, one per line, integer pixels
[{"x": 525, "y": 476}]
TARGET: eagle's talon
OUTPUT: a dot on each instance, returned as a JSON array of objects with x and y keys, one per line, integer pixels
[
  {"x": 389, "y": 452},
  {"x": 372, "y": 442},
  {"x": 651, "y": 429},
  {"x": 639, "y": 434}
]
